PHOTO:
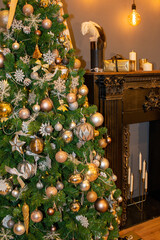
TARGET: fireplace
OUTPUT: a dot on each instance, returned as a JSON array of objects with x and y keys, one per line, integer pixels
[{"x": 123, "y": 99}]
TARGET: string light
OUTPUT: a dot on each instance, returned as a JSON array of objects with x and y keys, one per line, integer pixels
[{"x": 134, "y": 17}]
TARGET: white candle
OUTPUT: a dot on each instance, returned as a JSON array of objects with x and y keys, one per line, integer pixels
[
  {"x": 140, "y": 161},
  {"x": 132, "y": 56},
  {"x": 146, "y": 180},
  {"x": 147, "y": 66},
  {"x": 131, "y": 186},
  {"x": 129, "y": 176},
  {"x": 144, "y": 170}
]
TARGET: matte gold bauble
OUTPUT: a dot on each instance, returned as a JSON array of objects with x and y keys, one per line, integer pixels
[
  {"x": 8, "y": 186},
  {"x": 92, "y": 173},
  {"x": 77, "y": 63},
  {"x": 19, "y": 229},
  {"x": 28, "y": 10},
  {"x": 1, "y": 60},
  {"x": 96, "y": 133},
  {"x": 102, "y": 143},
  {"x": 36, "y": 145},
  {"x": 109, "y": 140},
  {"x": 73, "y": 106},
  {"x": 91, "y": 196},
  {"x": 46, "y": 105},
  {"x": 15, "y": 45},
  {"x": 71, "y": 97},
  {"x": 51, "y": 191},
  {"x": 97, "y": 119},
  {"x": 84, "y": 131},
  {"x": 104, "y": 163},
  {"x": 50, "y": 211},
  {"x": 5, "y": 109},
  {"x": 4, "y": 18},
  {"x": 101, "y": 205},
  {"x": 67, "y": 136},
  {"x": 61, "y": 156},
  {"x": 27, "y": 169},
  {"x": 85, "y": 185},
  {"x": 76, "y": 178},
  {"x": 46, "y": 23},
  {"x": 38, "y": 32},
  {"x": 36, "y": 216},
  {"x": 24, "y": 113},
  {"x": 83, "y": 90},
  {"x": 75, "y": 206}
]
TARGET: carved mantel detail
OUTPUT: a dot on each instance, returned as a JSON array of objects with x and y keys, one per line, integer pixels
[
  {"x": 114, "y": 85},
  {"x": 152, "y": 101}
]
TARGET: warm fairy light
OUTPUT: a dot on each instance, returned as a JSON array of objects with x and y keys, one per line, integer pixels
[{"x": 134, "y": 18}]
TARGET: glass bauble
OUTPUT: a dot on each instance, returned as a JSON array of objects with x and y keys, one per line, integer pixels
[
  {"x": 5, "y": 109},
  {"x": 36, "y": 108},
  {"x": 24, "y": 113},
  {"x": 37, "y": 145},
  {"x": 104, "y": 163},
  {"x": 15, "y": 45},
  {"x": 75, "y": 206},
  {"x": 8, "y": 187},
  {"x": 39, "y": 185},
  {"x": 84, "y": 132},
  {"x": 67, "y": 136},
  {"x": 72, "y": 125},
  {"x": 51, "y": 191},
  {"x": 46, "y": 23},
  {"x": 58, "y": 127},
  {"x": 46, "y": 105},
  {"x": 91, "y": 196},
  {"x": 15, "y": 193},
  {"x": 60, "y": 19},
  {"x": 71, "y": 97},
  {"x": 59, "y": 185},
  {"x": 85, "y": 185},
  {"x": 101, "y": 205},
  {"x": 10, "y": 223},
  {"x": 1, "y": 60},
  {"x": 102, "y": 143},
  {"x": 19, "y": 229},
  {"x": 36, "y": 216},
  {"x": 76, "y": 178},
  {"x": 92, "y": 172},
  {"x": 83, "y": 90},
  {"x": 27, "y": 169},
  {"x": 97, "y": 119},
  {"x": 28, "y": 10},
  {"x": 38, "y": 32},
  {"x": 109, "y": 140},
  {"x": 4, "y": 18},
  {"x": 61, "y": 156}
]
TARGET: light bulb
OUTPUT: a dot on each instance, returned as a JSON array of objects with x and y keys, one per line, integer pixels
[{"x": 134, "y": 17}]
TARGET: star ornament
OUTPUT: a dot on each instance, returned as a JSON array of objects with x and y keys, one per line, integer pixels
[{"x": 17, "y": 144}]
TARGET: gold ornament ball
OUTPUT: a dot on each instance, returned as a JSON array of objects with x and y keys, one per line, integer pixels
[
  {"x": 85, "y": 185},
  {"x": 49, "y": 129},
  {"x": 5, "y": 109},
  {"x": 15, "y": 193},
  {"x": 120, "y": 199},
  {"x": 15, "y": 46},
  {"x": 55, "y": 53},
  {"x": 97, "y": 119},
  {"x": 114, "y": 177},
  {"x": 58, "y": 60},
  {"x": 91, "y": 196},
  {"x": 50, "y": 211},
  {"x": 46, "y": 105},
  {"x": 4, "y": 18},
  {"x": 111, "y": 228},
  {"x": 27, "y": 168},
  {"x": 24, "y": 113},
  {"x": 104, "y": 163},
  {"x": 83, "y": 90},
  {"x": 101, "y": 205},
  {"x": 67, "y": 136},
  {"x": 61, "y": 156},
  {"x": 8, "y": 189},
  {"x": 75, "y": 206},
  {"x": 36, "y": 108},
  {"x": 46, "y": 23},
  {"x": 96, "y": 133},
  {"x": 92, "y": 172},
  {"x": 71, "y": 97},
  {"x": 8, "y": 4},
  {"x": 36, "y": 145},
  {"x": 28, "y": 10},
  {"x": 73, "y": 106},
  {"x": 109, "y": 140},
  {"x": 51, "y": 191},
  {"x": 1, "y": 60},
  {"x": 102, "y": 143},
  {"x": 84, "y": 131},
  {"x": 72, "y": 125},
  {"x": 60, "y": 19},
  {"x": 59, "y": 185},
  {"x": 96, "y": 162},
  {"x": 76, "y": 178},
  {"x": 86, "y": 104},
  {"x": 38, "y": 32},
  {"x": 77, "y": 63},
  {"x": 36, "y": 216},
  {"x": 19, "y": 229}
]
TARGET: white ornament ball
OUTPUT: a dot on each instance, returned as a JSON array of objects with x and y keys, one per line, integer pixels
[
  {"x": 73, "y": 106},
  {"x": 83, "y": 90},
  {"x": 104, "y": 164},
  {"x": 71, "y": 97},
  {"x": 34, "y": 75},
  {"x": 24, "y": 113},
  {"x": 61, "y": 156},
  {"x": 36, "y": 108},
  {"x": 58, "y": 127},
  {"x": 97, "y": 119},
  {"x": 19, "y": 229},
  {"x": 39, "y": 185},
  {"x": 15, "y": 46},
  {"x": 96, "y": 162}
]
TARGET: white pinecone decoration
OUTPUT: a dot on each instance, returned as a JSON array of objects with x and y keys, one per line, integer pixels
[
  {"x": 83, "y": 220},
  {"x": 27, "y": 81}
]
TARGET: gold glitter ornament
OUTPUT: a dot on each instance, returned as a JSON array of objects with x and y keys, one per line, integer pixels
[
  {"x": 37, "y": 145},
  {"x": 5, "y": 109},
  {"x": 37, "y": 54}
]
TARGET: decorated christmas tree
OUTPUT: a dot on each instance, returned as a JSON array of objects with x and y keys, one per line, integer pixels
[{"x": 55, "y": 182}]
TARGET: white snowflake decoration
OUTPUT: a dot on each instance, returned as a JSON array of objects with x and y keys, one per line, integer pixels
[
  {"x": 8, "y": 36},
  {"x": 52, "y": 236},
  {"x": 5, "y": 234},
  {"x": 42, "y": 129},
  {"x": 49, "y": 57},
  {"x": 25, "y": 127},
  {"x": 6, "y": 51},
  {"x": 8, "y": 75},
  {"x": 5, "y": 221},
  {"x": 25, "y": 59},
  {"x": 31, "y": 98},
  {"x": 3, "y": 186},
  {"x": 26, "y": 29},
  {"x": 103, "y": 174},
  {"x": 75, "y": 82},
  {"x": 19, "y": 75},
  {"x": 27, "y": 82},
  {"x": 51, "y": 34},
  {"x": 17, "y": 97},
  {"x": 59, "y": 85},
  {"x": 83, "y": 220},
  {"x": 33, "y": 20},
  {"x": 17, "y": 24},
  {"x": 4, "y": 89},
  {"x": 53, "y": 146}
]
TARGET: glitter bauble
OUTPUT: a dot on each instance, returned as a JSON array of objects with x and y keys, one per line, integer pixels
[
  {"x": 109, "y": 140},
  {"x": 60, "y": 19},
  {"x": 49, "y": 129},
  {"x": 50, "y": 211},
  {"x": 92, "y": 172},
  {"x": 97, "y": 119},
  {"x": 10, "y": 223},
  {"x": 58, "y": 127},
  {"x": 101, "y": 205},
  {"x": 37, "y": 145},
  {"x": 5, "y": 109},
  {"x": 24, "y": 113},
  {"x": 65, "y": 61},
  {"x": 61, "y": 156},
  {"x": 28, "y": 10},
  {"x": 51, "y": 191},
  {"x": 15, "y": 193},
  {"x": 76, "y": 178},
  {"x": 53, "y": 228},
  {"x": 71, "y": 97},
  {"x": 46, "y": 105},
  {"x": 96, "y": 162},
  {"x": 83, "y": 90},
  {"x": 58, "y": 60},
  {"x": 4, "y": 18},
  {"x": 34, "y": 75},
  {"x": 91, "y": 196},
  {"x": 77, "y": 63},
  {"x": 67, "y": 136},
  {"x": 36, "y": 108},
  {"x": 84, "y": 132},
  {"x": 38, "y": 32},
  {"x": 39, "y": 185},
  {"x": 73, "y": 106},
  {"x": 36, "y": 216},
  {"x": 59, "y": 185},
  {"x": 75, "y": 206},
  {"x": 26, "y": 30},
  {"x": 46, "y": 23},
  {"x": 104, "y": 163},
  {"x": 102, "y": 143},
  {"x": 85, "y": 185},
  {"x": 15, "y": 46},
  {"x": 19, "y": 229},
  {"x": 1, "y": 60},
  {"x": 72, "y": 125},
  {"x": 8, "y": 186},
  {"x": 27, "y": 169}
]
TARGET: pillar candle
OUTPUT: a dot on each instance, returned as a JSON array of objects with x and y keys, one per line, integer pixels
[
  {"x": 146, "y": 180},
  {"x": 147, "y": 66},
  {"x": 140, "y": 161},
  {"x": 132, "y": 56},
  {"x": 129, "y": 176},
  {"x": 144, "y": 170},
  {"x": 131, "y": 186}
]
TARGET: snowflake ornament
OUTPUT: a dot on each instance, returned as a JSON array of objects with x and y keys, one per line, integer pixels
[
  {"x": 43, "y": 131},
  {"x": 19, "y": 75},
  {"x": 83, "y": 220},
  {"x": 6, "y": 51},
  {"x": 33, "y": 20},
  {"x": 8, "y": 75},
  {"x": 32, "y": 98},
  {"x": 59, "y": 85},
  {"x": 52, "y": 236},
  {"x": 49, "y": 57},
  {"x": 75, "y": 82},
  {"x": 17, "y": 24},
  {"x": 5, "y": 234},
  {"x": 3, "y": 186},
  {"x": 103, "y": 174},
  {"x": 18, "y": 97},
  {"x": 26, "y": 29},
  {"x": 25, "y": 127},
  {"x": 25, "y": 59},
  {"x": 4, "y": 89},
  {"x": 8, "y": 36},
  {"x": 27, "y": 82},
  {"x": 111, "y": 201}
]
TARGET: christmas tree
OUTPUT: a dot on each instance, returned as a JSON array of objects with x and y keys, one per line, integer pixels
[{"x": 55, "y": 182}]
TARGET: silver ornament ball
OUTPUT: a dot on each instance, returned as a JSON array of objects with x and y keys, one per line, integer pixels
[
  {"x": 10, "y": 223},
  {"x": 39, "y": 185},
  {"x": 15, "y": 193},
  {"x": 36, "y": 108},
  {"x": 58, "y": 127},
  {"x": 73, "y": 106},
  {"x": 19, "y": 229},
  {"x": 85, "y": 185},
  {"x": 49, "y": 129},
  {"x": 34, "y": 75},
  {"x": 72, "y": 125},
  {"x": 104, "y": 163},
  {"x": 59, "y": 185},
  {"x": 97, "y": 119},
  {"x": 15, "y": 46}
]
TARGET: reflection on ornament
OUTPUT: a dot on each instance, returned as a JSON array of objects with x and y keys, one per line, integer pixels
[
  {"x": 59, "y": 185},
  {"x": 97, "y": 119},
  {"x": 37, "y": 145},
  {"x": 102, "y": 143},
  {"x": 101, "y": 205},
  {"x": 50, "y": 211},
  {"x": 53, "y": 228},
  {"x": 77, "y": 63},
  {"x": 36, "y": 216},
  {"x": 91, "y": 196},
  {"x": 7, "y": 187},
  {"x": 61, "y": 156},
  {"x": 1, "y": 60},
  {"x": 5, "y": 109},
  {"x": 84, "y": 131},
  {"x": 83, "y": 90},
  {"x": 27, "y": 169},
  {"x": 19, "y": 229},
  {"x": 75, "y": 206},
  {"x": 46, "y": 105},
  {"x": 67, "y": 136},
  {"x": 92, "y": 172},
  {"x": 51, "y": 191},
  {"x": 76, "y": 178},
  {"x": 15, "y": 45},
  {"x": 28, "y": 9},
  {"x": 4, "y": 18},
  {"x": 46, "y": 23},
  {"x": 104, "y": 164},
  {"x": 37, "y": 54},
  {"x": 24, "y": 113},
  {"x": 85, "y": 185}
]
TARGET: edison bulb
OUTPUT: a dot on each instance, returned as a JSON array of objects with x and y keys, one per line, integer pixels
[{"x": 134, "y": 17}]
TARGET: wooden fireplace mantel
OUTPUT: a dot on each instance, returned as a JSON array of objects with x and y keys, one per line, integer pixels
[{"x": 125, "y": 98}]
